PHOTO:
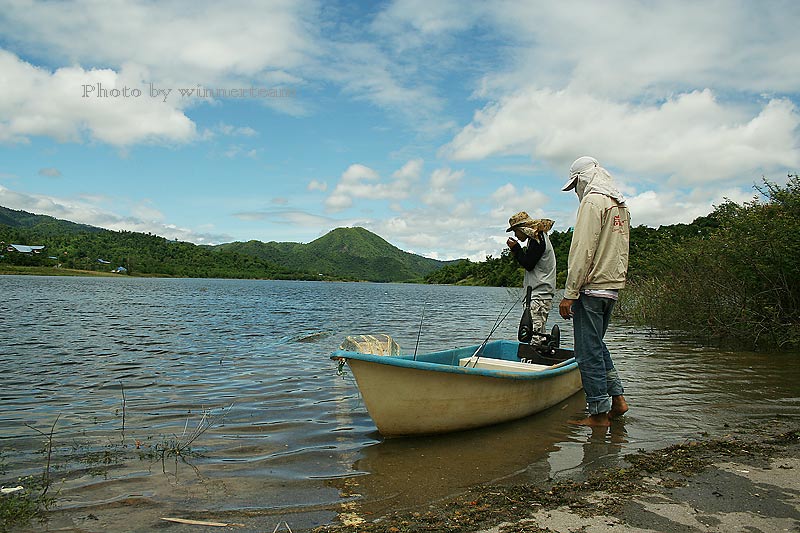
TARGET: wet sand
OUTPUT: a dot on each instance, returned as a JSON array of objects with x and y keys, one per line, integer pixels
[{"x": 744, "y": 480}]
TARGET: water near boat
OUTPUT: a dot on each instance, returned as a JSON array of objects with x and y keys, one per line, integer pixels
[{"x": 129, "y": 366}]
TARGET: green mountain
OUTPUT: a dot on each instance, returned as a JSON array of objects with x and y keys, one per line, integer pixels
[
  {"x": 42, "y": 224},
  {"x": 343, "y": 254},
  {"x": 349, "y": 253}
]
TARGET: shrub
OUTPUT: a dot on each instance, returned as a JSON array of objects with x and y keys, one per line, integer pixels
[{"x": 739, "y": 283}]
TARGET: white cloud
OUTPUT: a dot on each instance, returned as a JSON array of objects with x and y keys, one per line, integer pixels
[
  {"x": 365, "y": 72},
  {"x": 362, "y": 182},
  {"x": 213, "y": 39},
  {"x": 508, "y": 200},
  {"x": 691, "y": 138},
  {"x": 236, "y": 150},
  {"x": 315, "y": 185},
  {"x": 409, "y": 172},
  {"x": 243, "y": 131},
  {"x": 645, "y": 49},
  {"x": 652, "y": 208},
  {"x": 64, "y": 104},
  {"x": 442, "y": 187},
  {"x": 215, "y": 46},
  {"x": 50, "y": 172},
  {"x": 415, "y": 23},
  {"x": 303, "y": 221},
  {"x": 144, "y": 217}
]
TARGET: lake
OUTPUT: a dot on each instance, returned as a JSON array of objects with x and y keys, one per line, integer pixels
[{"x": 236, "y": 374}]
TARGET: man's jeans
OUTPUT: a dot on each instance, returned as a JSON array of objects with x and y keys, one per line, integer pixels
[{"x": 600, "y": 379}]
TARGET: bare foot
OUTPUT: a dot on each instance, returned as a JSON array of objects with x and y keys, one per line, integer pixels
[
  {"x": 596, "y": 421},
  {"x": 618, "y": 406}
]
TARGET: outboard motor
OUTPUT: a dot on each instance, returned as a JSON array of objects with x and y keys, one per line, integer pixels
[{"x": 544, "y": 348}]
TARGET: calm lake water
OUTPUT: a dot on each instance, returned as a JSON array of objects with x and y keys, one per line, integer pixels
[{"x": 118, "y": 363}]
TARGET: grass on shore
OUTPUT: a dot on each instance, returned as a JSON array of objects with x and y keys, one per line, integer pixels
[{"x": 50, "y": 271}]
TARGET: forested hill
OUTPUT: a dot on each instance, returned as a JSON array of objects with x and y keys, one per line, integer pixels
[
  {"x": 349, "y": 253},
  {"x": 342, "y": 254}
]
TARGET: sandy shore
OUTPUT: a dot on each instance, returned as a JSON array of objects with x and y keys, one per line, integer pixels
[{"x": 747, "y": 480}]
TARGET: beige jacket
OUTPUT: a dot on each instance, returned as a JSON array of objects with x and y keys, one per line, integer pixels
[{"x": 598, "y": 255}]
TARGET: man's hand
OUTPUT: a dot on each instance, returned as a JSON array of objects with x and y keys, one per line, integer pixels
[
  {"x": 512, "y": 242},
  {"x": 565, "y": 308}
]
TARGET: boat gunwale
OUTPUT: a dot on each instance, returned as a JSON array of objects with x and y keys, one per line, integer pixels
[{"x": 405, "y": 361}]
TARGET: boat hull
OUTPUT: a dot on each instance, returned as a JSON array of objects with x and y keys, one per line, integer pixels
[{"x": 417, "y": 397}]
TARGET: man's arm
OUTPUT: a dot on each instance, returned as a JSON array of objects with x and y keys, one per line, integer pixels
[
  {"x": 585, "y": 237},
  {"x": 528, "y": 258}
]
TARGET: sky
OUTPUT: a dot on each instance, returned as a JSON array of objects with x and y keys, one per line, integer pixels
[{"x": 427, "y": 122}]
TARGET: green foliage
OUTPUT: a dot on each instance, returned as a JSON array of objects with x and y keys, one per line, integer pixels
[
  {"x": 140, "y": 254},
  {"x": 343, "y": 254},
  {"x": 733, "y": 276},
  {"x": 20, "y": 508},
  {"x": 503, "y": 271}
]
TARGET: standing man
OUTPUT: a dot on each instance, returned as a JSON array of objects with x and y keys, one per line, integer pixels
[
  {"x": 598, "y": 265},
  {"x": 539, "y": 262}
]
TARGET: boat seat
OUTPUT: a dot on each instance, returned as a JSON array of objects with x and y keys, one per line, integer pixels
[{"x": 487, "y": 363}]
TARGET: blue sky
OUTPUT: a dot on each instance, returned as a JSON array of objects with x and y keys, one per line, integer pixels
[{"x": 427, "y": 122}]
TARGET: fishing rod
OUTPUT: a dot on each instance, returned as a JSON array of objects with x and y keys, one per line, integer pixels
[
  {"x": 497, "y": 323},
  {"x": 419, "y": 333}
]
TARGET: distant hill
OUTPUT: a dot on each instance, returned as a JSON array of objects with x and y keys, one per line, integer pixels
[
  {"x": 342, "y": 254},
  {"x": 43, "y": 224},
  {"x": 353, "y": 253}
]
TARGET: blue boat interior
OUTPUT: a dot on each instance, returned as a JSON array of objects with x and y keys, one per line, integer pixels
[
  {"x": 448, "y": 360},
  {"x": 501, "y": 349}
]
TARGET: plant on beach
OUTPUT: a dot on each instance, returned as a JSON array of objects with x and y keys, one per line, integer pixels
[
  {"x": 738, "y": 283},
  {"x": 29, "y": 503},
  {"x": 181, "y": 446},
  {"x": 26, "y": 498}
]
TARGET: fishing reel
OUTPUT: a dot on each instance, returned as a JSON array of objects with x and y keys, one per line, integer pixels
[{"x": 546, "y": 343}]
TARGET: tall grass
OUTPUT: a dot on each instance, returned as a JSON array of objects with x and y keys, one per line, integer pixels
[{"x": 738, "y": 284}]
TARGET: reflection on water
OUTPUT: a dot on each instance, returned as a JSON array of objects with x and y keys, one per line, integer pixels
[
  {"x": 399, "y": 473},
  {"x": 139, "y": 362}
]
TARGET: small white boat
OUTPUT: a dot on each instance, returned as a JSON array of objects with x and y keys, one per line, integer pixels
[{"x": 462, "y": 388}]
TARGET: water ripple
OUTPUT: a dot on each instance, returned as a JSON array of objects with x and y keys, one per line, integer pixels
[{"x": 128, "y": 365}]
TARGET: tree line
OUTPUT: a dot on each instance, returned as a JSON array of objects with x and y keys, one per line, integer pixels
[
  {"x": 732, "y": 276},
  {"x": 139, "y": 253}
]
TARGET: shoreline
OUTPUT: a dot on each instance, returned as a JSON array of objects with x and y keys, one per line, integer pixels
[{"x": 745, "y": 480}]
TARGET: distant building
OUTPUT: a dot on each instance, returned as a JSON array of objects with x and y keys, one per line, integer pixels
[
  {"x": 103, "y": 262},
  {"x": 25, "y": 249},
  {"x": 120, "y": 270}
]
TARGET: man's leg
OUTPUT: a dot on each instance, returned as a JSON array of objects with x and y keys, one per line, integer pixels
[
  {"x": 613, "y": 384},
  {"x": 589, "y": 322},
  {"x": 540, "y": 309}
]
